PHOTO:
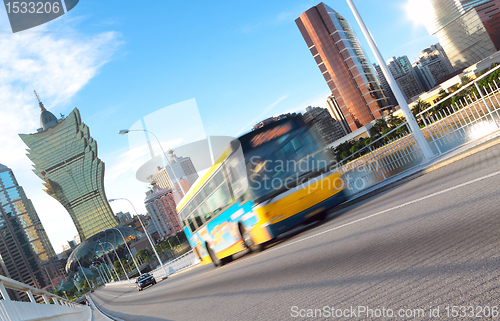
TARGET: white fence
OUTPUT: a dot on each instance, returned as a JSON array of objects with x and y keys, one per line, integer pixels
[
  {"x": 53, "y": 308},
  {"x": 467, "y": 118},
  {"x": 179, "y": 264},
  {"x": 471, "y": 113}
]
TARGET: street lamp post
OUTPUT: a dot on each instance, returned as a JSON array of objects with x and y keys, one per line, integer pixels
[
  {"x": 90, "y": 287},
  {"x": 145, "y": 231},
  {"x": 126, "y": 131},
  {"x": 104, "y": 273},
  {"x": 419, "y": 136},
  {"x": 100, "y": 274},
  {"x": 128, "y": 248},
  {"x": 104, "y": 253},
  {"x": 112, "y": 246}
]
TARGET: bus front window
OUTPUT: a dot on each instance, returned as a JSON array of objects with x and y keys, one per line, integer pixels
[{"x": 283, "y": 164}]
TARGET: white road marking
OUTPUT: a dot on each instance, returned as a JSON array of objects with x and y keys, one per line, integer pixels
[{"x": 376, "y": 214}]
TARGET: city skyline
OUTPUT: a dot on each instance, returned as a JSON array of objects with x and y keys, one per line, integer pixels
[{"x": 100, "y": 62}]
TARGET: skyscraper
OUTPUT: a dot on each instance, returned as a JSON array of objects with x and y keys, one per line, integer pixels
[
  {"x": 26, "y": 254},
  {"x": 433, "y": 64},
  {"x": 329, "y": 128},
  {"x": 386, "y": 88},
  {"x": 184, "y": 171},
  {"x": 346, "y": 70},
  {"x": 468, "y": 30},
  {"x": 160, "y": 204},
  {"x": 65, "y": 158},
  {"x": 406, "y": 77}
]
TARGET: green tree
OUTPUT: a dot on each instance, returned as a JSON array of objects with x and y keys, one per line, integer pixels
[{"x": 465, "y": 80}]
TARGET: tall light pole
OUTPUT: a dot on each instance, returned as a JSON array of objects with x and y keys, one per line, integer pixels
[
  {"x": 106, "y": 275},
  {"x": 128, "y": 248},
  {"x": 100, "y": 273},
  {"x": 113, "y": 247},
  {"x": 145, "y": 231},
  {"x": 126, "y": 131},
  {"x": 104, "y": 253},
  {"x": 90, "y": 287},
  {"x": 419, "y": 136}
]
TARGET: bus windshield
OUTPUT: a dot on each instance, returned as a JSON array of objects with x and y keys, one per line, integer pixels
[{"x": 283, "y": 163}]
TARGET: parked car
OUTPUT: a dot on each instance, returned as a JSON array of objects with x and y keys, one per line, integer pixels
[{"x": 144, "y": 280}]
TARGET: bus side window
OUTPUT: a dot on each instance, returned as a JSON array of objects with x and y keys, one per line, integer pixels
[
  {"x": 197, "y": 217},
  {"x": 191, "y": 225}
]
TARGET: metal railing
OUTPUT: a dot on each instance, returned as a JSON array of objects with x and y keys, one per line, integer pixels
[
  {"x": 60, "y": 308},
  {"x": 467, "y": 119},
  {"x": 380, "y": 160},
  {"x": 179, "y": 264}
]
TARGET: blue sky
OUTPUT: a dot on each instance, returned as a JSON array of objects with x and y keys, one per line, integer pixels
[{"x": 119, "y": 61}]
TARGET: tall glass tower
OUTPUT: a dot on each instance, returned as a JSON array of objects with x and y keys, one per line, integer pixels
[
  {"x": 65, "y": 158},
  {"x": 468, "y": 30},
  {"x": 340, "y": 58},
  {"x": 26, "y": 254}
]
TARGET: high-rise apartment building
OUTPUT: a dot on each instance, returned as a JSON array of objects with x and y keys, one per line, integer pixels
[
  {"x": 161, "y": 207},
  {"x": 386, "y": 88},
  {"x": 341, "y": 60},
  {"x": 329, "y": 128},
  {"x": 26, "y": 254},
  {"x": 433, "y": 65},
  {"x": 184, "y": 172},
  {"x": 406, "y": 77},
  {"x": 468, "y": 30},
  {"x": 65, "y": 158}
]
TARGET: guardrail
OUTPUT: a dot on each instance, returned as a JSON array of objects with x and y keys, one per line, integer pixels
[
  {"x": 466, "y": 118},
  {"x": 60, "y": 309},
  {"x": 379, "y": 161},
  {"x": 179, "y": 264}
]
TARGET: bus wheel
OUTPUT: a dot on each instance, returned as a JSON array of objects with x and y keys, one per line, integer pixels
[
  {"x": 322, "y": 216},
  {"x": 248, "y": 241},
  {"x": 214, "y": 258}
]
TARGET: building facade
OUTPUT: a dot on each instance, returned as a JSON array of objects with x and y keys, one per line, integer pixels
[
  {"x": 26, "y": 254},
  {"x": 65, "y": 158},
  {"x": 329, "y": 128},
  {"x": 386, "y": 88},
  {"x": 346, "y": 70},
  {"x": 184, "y": 172},
  {"x": 406, "y": 77},
  {"x": 433, "y": 65},
  {"x": 161, "y": 206},
  {"x": 468, "y": 30}
]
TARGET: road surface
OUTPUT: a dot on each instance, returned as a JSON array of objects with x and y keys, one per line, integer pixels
[{"x": 430, "y": 243}]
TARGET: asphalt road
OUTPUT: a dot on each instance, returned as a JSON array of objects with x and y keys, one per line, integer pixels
[{"x": 430, "y": 243}]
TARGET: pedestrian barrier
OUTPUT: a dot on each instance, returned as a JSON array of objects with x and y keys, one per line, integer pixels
[
  {"x": 462, "y": 117},
  {"x": 179, "y": 264},
  {"x": 53, "y": 307}
]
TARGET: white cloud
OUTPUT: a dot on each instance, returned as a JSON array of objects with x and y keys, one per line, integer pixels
[{"x": 57, "y": 66}]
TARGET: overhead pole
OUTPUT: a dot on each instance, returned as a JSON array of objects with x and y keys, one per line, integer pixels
[{"x": 417, "y": 133}]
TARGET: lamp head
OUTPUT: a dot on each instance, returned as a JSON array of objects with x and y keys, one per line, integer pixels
[{"x": 123, "y": 131}]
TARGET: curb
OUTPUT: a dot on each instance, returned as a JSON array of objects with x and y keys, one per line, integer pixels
[{"x": 102, "y": 312}]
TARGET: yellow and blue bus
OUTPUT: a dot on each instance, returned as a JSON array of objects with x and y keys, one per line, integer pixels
[{"x": 267, "y": 182}]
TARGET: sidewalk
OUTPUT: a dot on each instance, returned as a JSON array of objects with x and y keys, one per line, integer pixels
[
  {"x": 97, "y": 315},
  {"x": 424, "y": 168}
]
